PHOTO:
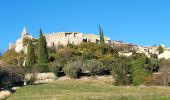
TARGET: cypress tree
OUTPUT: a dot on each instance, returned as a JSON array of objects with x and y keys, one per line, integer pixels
[
  {"x": 160, "y": 49},
  {"x": 30, "y": 57},
  {"x": 101, "y": 35},
  {"x": 42, "y": 49}
]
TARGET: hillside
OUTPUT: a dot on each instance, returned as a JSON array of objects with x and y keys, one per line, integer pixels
[{"x": 91, "y": 88}]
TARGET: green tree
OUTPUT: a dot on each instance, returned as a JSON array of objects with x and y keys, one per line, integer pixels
[
  {"x": 42, "y": 49},
  {"x": 160, "y": 49},
  {"x": 139, "y": 72},
  {"x": 121, "y": 71},
  {"x": 101, "y": 35},
  {"x": 30, "y": 57}
]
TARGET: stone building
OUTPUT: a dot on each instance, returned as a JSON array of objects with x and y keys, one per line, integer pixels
[
  {"x": 19, "y": 45},
  {"x": 55, "y": 39},
  {"x": 64, "y": 38}
]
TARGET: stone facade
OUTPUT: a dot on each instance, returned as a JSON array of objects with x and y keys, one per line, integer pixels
[
  {"x": 55, "y": 39},
  {"x": 18, "y": 46},
  {"x": 64, "y": 38}
]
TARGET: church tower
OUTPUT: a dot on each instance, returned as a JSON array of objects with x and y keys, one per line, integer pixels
[{"x": 24, "y": 32}]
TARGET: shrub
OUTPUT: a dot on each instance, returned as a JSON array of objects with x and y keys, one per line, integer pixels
[
  {"x": 56, "y": 68},
  {"x": 31, "y": 74},
  {"x": 11, "y": 76},
  {"x": 122, "y": 71},
  {"x": 94, "y": 66},
  {"x": 73, "y": 69},
  {"x": 43, "y": 68},
  {"x": 138, "y": 77},
  {"x": 12, "y": 58}
]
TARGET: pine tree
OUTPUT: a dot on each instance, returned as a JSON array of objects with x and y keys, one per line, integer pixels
[
  {"x": 101, "y": 35},
  {"x": 42, "y": 49},
  {"x": 30, "y": 57}
]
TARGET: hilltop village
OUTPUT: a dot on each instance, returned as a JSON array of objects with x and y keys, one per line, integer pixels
[{"x": 64, "y": 38}]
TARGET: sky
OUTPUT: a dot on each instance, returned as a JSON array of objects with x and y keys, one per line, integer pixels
[{"x": 141, "y": 22}]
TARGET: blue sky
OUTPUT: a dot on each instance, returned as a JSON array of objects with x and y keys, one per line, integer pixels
[{"x": 142, "y": 22}]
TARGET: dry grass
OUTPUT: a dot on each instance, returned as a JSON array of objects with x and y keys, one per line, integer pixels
[{"x": 91, "y": 88}]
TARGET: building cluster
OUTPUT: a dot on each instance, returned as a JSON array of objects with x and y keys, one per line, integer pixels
[
  {"x": 56, "y": 39},
  {"x": 64, "y": 38},
  {"x": 147, "y": 50}
]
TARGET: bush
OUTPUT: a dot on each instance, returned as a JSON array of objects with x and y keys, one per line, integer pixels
[
  {"x": 12, "y": 58},
  {"x": 43, "y": 68},
  {"x": 31, "y": 74},
  {"x": 56, "y": 68},
  {"x": 73, "y": 69},
  {"x": 122, "y": 71},
  {"x": 94, "y": 67},
  {"x": 11, "y": 76},
  {"x": 139, "y": 77}
]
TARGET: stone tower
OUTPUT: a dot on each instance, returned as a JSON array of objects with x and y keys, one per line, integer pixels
[{"x": 24, "y": 32}]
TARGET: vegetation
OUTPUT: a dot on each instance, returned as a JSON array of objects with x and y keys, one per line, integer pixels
[
  {"x": 13, "y": 58},
  {"x": 42, "y": 49},
  {"x": 11, "y": 76},
  {"x": 101, "y": 35},
  {"x": 160, "y": 49},
  {"x": 26, "y": 41},
  {"x": 91, "y": 59},
  {"x": 30, "y": 57},
  {"x": 122, "y": 71},
  {"x": 92, "y": 89}
]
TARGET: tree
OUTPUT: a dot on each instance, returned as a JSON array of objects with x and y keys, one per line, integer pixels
[
  {"x": 42, "y": 49},
  {"x": 138, "y": 65},
  {"x": 101, "y": 35},
  {"x": 30, "y": 57},
  {"x": 13, "y": 58},
  {"x": 122, "y": 69},
  {"x": 160, "y": 49}
]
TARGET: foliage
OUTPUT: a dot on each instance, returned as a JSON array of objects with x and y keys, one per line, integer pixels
[
  {"x": 42, "y": 68},
  {"x": 11, "y": 76},
  {"x": 122, "y": 70},
  {"x": 56, "y": 68},
  {"x": 25, "y": 41},
  {"x": 101, "y": 35},
  {"x": 94, "y": 67},
  {"x": 13, "y": 58},
  {"x": 139, "y": 73},
  {"x": 42, "y": 49},
  {"x": 30, "y": 56},
  {"x": 160, "y": 49},
  {"x": 152, "y": 65},
  {"x": 32, "y": 73},
  {"x": 73, "y": 69}
]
